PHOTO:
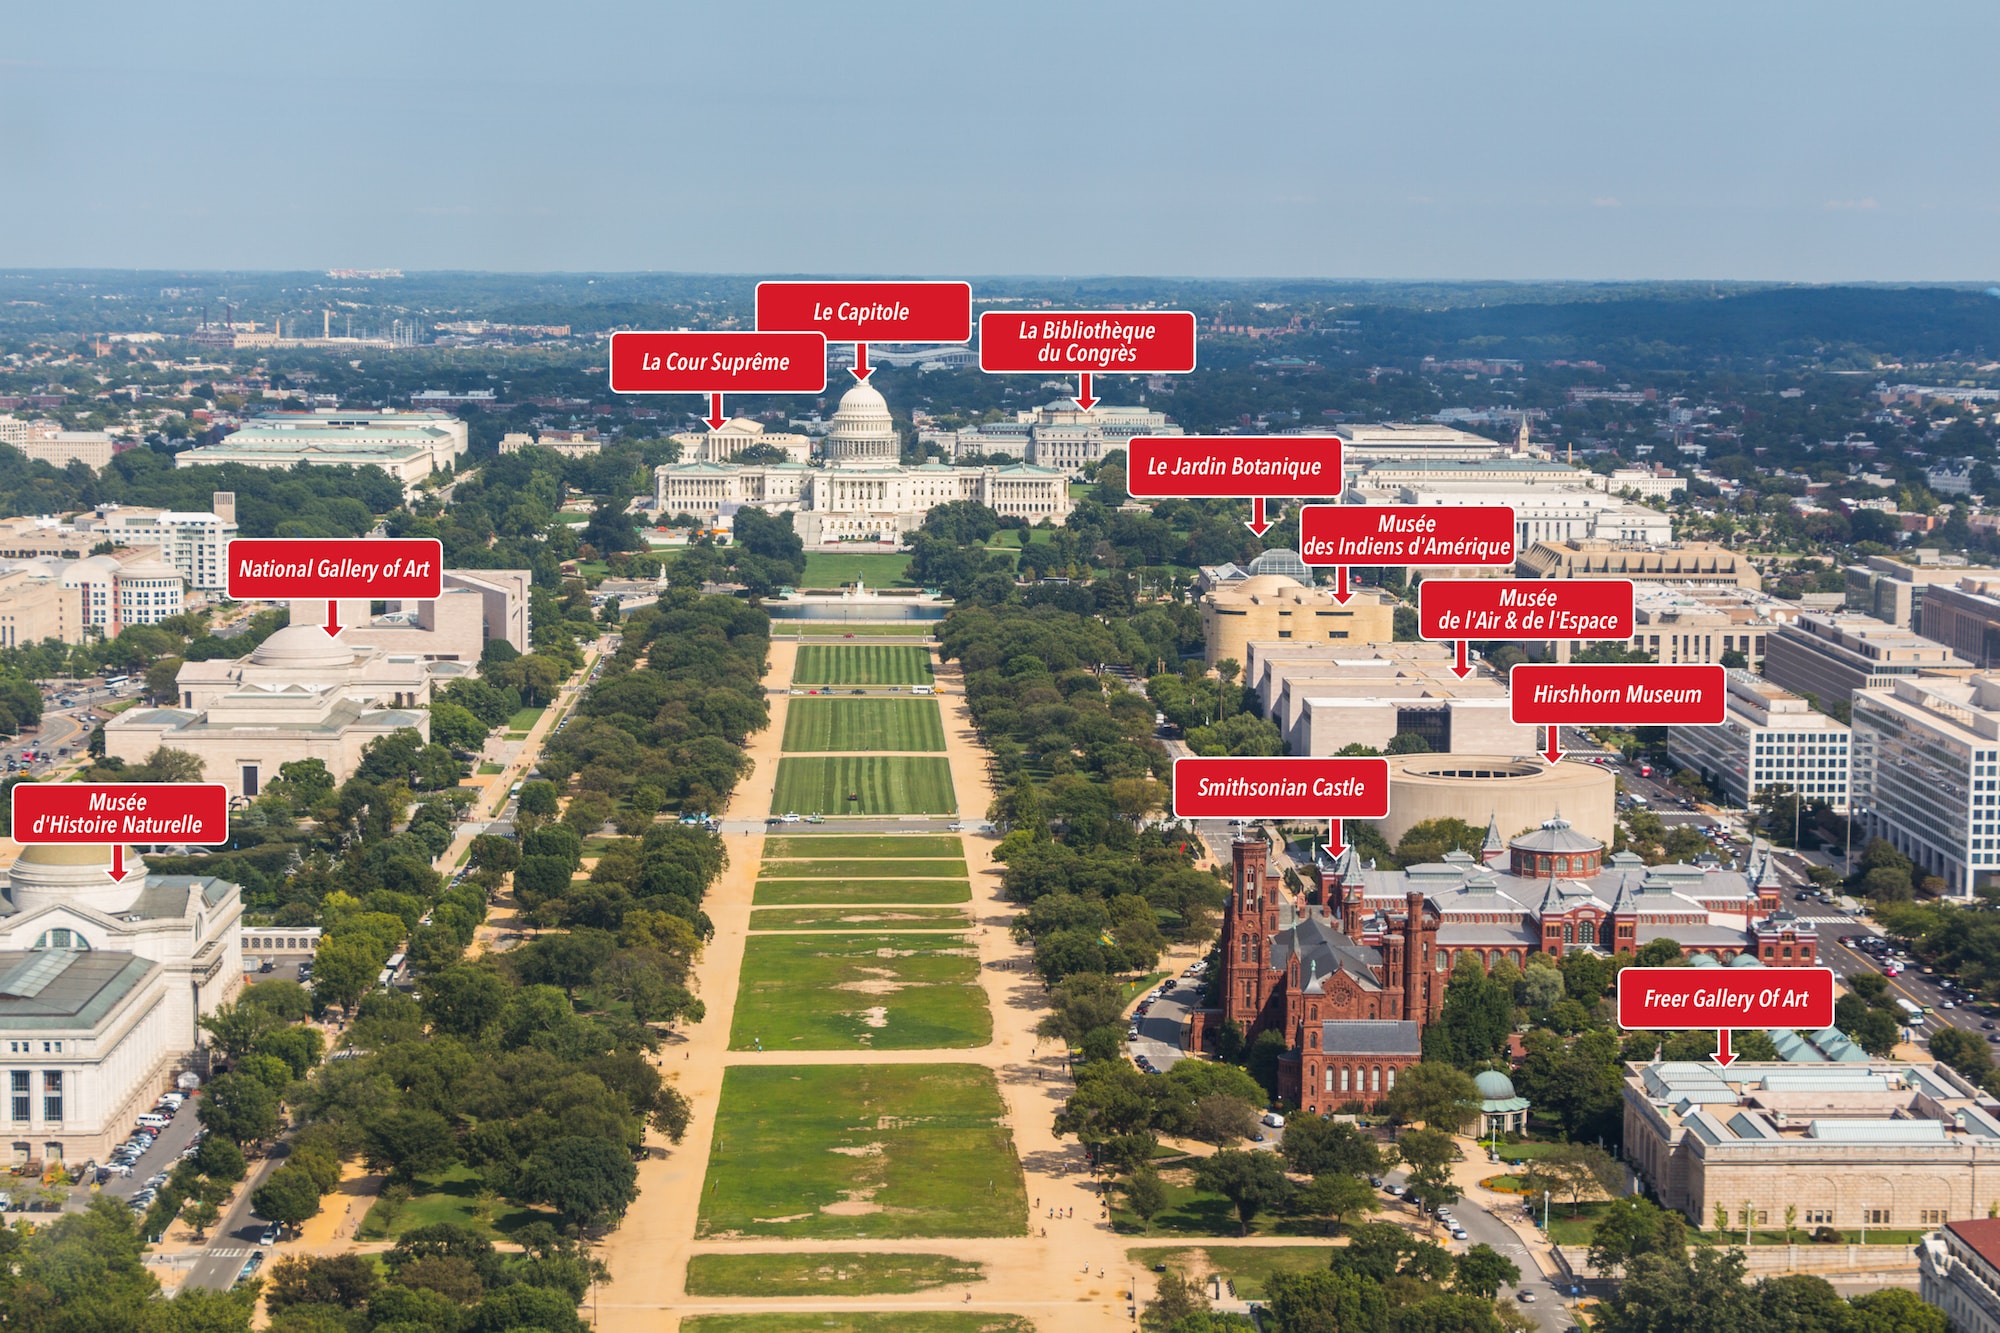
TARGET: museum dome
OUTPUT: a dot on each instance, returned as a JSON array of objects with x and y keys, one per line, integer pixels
[
  {"x": 46, "y": 874},
  {"x": 298, "y": 646},
  {"x": 148, "y": 568},
  {"x": 1494, "y": 1086}
]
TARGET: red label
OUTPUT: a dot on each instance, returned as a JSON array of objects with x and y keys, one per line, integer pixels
[
  {"x": 1549, "y": 694},
  {"x": 1406, "y": 534},
  {"x": 1145, "y": 342},
  {"x": 1281, "y": 788},
  {"x": 866, "y": 312},
  {"x": 373, "y": 567},
  {"x": 718, "y": 361},
  {"x": 1232, "y": 467},
  {"x": 1524, "y": 609},
  {"x": 1673, "y": 998},
  {"x": 121, "y": 812}
]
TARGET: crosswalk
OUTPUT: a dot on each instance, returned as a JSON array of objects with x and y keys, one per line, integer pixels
[{"x": 1826, "y": 920}]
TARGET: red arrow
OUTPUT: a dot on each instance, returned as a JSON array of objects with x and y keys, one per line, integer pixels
[
  {"x": 1459, "y": 668},
  {"x": 1340, "y": 592},
  {"x": 117, "y": 871},
  {"x": 1083, "y": 398},
  {"x": 860, "y": 369},
  {"x": 1258, "y": 523},
  {"x": 1553, "y": 751},
  {"x": 333, "y": 625},
  {"x": 1723, "y": 1056},
  {"x": 1336, "y": 844},
  {"x": 716, "y": 421}
]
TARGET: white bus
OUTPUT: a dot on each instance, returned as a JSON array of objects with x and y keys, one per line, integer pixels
[{"x": 1912, "y": 1011}]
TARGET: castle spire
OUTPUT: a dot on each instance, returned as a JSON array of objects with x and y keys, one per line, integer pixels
[{"x": 1493, "y": 841}]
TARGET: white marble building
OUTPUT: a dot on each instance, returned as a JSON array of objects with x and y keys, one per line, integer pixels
[{"x": 101, "y": 984}]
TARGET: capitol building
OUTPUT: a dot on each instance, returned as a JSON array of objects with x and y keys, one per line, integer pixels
[{"x": 858, "y": 490}]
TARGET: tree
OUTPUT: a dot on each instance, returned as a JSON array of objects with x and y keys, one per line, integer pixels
[
  {"x": 1145, "y": 1196},
  {"x": 345, "y": 968},
  {"x": 1220, "y": 1118},
  {"x": 1477, "y": 1018},
  {"x": 1631, "y": 1226},
  {"x": 1893, "y": 1310},
  {"x": 1315, "y": 1147},
  {"x": 345, "y": 1280},
  {"x": 1659, "y": 953},
  {"x": 1083, "y": 1003},
  {"x": 587, "y": 1180},
  {"x": 538, "y": 798},
  {"x": 1665, "y": 1293},
  {"x": 1436, "y": 1095},
  {"x": 1484, "y": 1270},
  {"x": 1338, "y": 1196},
  {"x": 456, "y": 727},
  {"x": 308, "y": 782},
  {"x": 201, "y": 1215},
  {"x": 240, "y": 1108},
  {"x": 1574, "y": 1169},
  {"x": 165, "y": 765},
  {"x": 1429, "y": 1154},
  {"x": 1253, "y": 1182},
  {"x": 1327, "y": 1301},
  {"x": 409, "y": 1142},
  {"x": 288, "y": 1198}
]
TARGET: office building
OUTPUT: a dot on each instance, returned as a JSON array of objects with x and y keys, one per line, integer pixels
[
  {"x": 1958, "y": 1271},
  {"x": 125, "y": 588},
  {"x": 568, "y": 443},
  {"x": 1505, "y": 471},
  {"x": 1927, "y": 774},
  {"x": 1648, "y": 483},
  {"x": 1830, "y": 656},
  {"x": 1849, "y": 1145},
  {"x": 1325, "y": 696},
  {"x": 409, "y": 446},
  {"x": 1769, "y": 737},
  {"x": 1704, "y": 626},
  {"x": 1547, "y": 513},
  {"x": 1697, "y": 564},
  {"x": 300, "y": 694},
  {"x": 1278, "y": 607},
  {"x": 47, "y": 442},
  {"x": 733, "y": 437},
  {"x": 1892, "y": 588},
  {"x": 103, "y": 982},
  {"x": 193, "y": 542},
  {"x": 1416, "y": 442},
  {"x": 36, "y": 606},
  {"x": 1964, "y": 616}
]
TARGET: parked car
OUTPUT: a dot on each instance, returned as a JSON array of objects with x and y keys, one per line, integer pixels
[
  {"x": 1273, "y": 1120},
  {"x": 270, "y": 1234}
]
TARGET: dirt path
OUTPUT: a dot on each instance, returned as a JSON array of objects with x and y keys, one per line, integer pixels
[{"x": 1069, "y": 1274}]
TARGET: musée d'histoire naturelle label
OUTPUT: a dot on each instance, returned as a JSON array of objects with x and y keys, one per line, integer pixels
[{"x": 121, "y": 812}]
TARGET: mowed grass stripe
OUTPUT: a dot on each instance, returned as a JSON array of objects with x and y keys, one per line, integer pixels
[
  {"x": 939, "y": 869},
  {"x": 877, "y": 784},
  {"x": 858, "y": 992},
  {"x": 859, "y": 918},
  {"x": 820, "y": 1273},
  {"x": 862, "y": 664},
  {"x": 924, "y": 1147},
  {"x": 860, "y": 1321},
  {"x": 840, "y": 892},
  {"x": 863, "y": 844},
  {"x": 863, "y": 724}
]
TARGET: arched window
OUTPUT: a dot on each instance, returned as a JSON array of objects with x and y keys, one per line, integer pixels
[
  {"x": 61, "y": 937},
  {"x": 1375, "y": 1079}
]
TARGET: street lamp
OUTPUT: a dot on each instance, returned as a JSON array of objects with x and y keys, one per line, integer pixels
[{"x": 1545, "y": 1212}]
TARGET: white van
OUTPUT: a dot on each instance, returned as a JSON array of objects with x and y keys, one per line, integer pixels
[
  {"x": 922, "y": 689},
  {"x": 154, "y": 1120}
]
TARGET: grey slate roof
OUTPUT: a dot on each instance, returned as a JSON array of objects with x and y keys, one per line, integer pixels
[
  {"x": 1368, "y": 1036},
  {"x": 65, "y": 989}
]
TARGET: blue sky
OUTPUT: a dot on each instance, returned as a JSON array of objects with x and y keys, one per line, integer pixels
[{"x": 1819, "y": 142}]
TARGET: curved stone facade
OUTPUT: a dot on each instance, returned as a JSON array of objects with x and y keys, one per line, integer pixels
[{"x": 1518, "y": 792}]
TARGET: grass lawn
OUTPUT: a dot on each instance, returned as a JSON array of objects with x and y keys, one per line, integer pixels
[
  {"x": 862, "y": 1151},
  {"x": 864, "y": 1321},
  {"x": 925, "y": 869},
  {"x": 862, "y": 664},
  {"x": 862, "y": 844},
  {"x": 487, "y": 770},
  {"x": 858, "y": 918},
  {"x": 834, "y": 892},
  {"x": 848, "y": 629},
  {"x": 525, "y": 719},
  {"x": 860, "y": 992},
  {"x": 1250, "y": 1267},
  {"x": 452, "y": 1196},
  {"x": 830, "y": 569},
  {"x": 864, "y": 724},
  {"x": 877, "y": 784},
  {"x": 825, "y": 1274}
]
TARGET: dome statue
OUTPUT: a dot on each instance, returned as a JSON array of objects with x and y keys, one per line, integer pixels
[{"x": 1501, "y": 1109}]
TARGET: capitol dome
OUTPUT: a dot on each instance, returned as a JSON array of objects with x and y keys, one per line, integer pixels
[
  {"x": 1494, "y": 1086},
  {"x": 46, "y": 874},
  {"x": 302, "y": 646},
  {"x": 862, "y": 431}
]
